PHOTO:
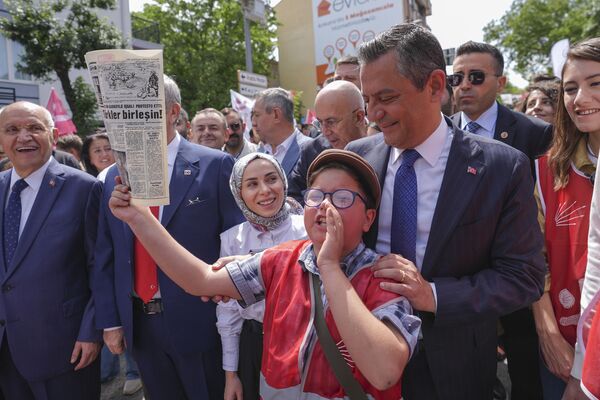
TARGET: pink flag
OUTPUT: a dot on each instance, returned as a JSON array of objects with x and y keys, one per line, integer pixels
[
  {"x": 310, "y": 116},
  {"x": 62, "y": 121}
]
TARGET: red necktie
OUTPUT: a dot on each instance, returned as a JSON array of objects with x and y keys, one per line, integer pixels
[{"x": 145, "y": 277}]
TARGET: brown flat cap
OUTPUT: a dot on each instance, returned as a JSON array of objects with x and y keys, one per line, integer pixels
[{"x": 365, "y": 173}]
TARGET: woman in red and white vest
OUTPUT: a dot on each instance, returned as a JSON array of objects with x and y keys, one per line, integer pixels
[{"x": 565, "y": 182}]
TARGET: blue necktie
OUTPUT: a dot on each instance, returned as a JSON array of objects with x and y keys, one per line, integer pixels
[
  {"x": 12, "y": 221},
  {"x": 404, "y": 210},
  {"x": 472, "y": 127}
]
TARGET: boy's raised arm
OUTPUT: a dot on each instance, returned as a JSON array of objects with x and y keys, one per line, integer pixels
[{"x": 190, "y": 273}]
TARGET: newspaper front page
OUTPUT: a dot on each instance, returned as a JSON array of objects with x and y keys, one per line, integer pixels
[{"x": 130, "y": 93}]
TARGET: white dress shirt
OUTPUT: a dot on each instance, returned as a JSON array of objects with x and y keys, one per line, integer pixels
[
  {"x": 487, "y": 121},
  {"x": 281, "y": 150},
  {"x": 245, "y": 239},
  {"x": 429, "y": 170},
  {"x": 28, "y": 195}
]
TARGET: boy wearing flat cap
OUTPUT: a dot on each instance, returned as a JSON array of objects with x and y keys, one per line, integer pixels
[{"x": 374, "y": 330}]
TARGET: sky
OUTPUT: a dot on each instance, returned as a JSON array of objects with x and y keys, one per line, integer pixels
[{"x": 453, "y": 22}]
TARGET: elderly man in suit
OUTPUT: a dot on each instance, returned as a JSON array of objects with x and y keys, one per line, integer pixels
[
  {"x": 273, "y": 120},
  {"x": 172, "y": 335},
  {"x": 49, "y": 345},
  {"x": 477, "y": 80},
  {"x": 340, "y": 112},
  {"x": 457, "y": 220}
]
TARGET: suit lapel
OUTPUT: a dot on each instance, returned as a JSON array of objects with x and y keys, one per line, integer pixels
[
  {"x": 378, "y": 157},
  {"x": 291, "y": 156},
  {"x": 50, "y": 188},
  {"x": 464, "y": 171},
  {"x": 4, "y": 185},
  {"x": 504, "y": 126},
  {"x": 184, "y": 174}
]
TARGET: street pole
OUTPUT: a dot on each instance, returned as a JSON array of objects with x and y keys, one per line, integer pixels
[{"x": 248, "y": 44}]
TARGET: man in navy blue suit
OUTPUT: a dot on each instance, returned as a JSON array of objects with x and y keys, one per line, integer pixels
[
  {"x": 172, "y": 335},
  {"x": 48, "y": 342},
  {"x": 273, "y": 120},
  {"x": 457, "y": 213}
]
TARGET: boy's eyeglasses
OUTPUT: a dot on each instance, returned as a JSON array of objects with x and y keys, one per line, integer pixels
[
  {"x": 235, "y": 126},
  {"x": 341, "y": 198},
  {"x": 475, "y": 77}
]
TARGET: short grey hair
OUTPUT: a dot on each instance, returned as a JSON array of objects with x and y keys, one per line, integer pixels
[
  {"x": 172, "y": 93},
  {"x": 213, "y": 111},
  {"x": 418, "y": 52},
  {"x": 277, "y": 97}
]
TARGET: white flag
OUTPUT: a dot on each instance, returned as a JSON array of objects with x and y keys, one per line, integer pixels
[{"x": 243, "y": 105}]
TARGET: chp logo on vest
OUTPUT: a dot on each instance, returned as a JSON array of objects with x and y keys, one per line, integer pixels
[
  {"x": 569, "y": 214},
  {"x": 326, "y": 7}
]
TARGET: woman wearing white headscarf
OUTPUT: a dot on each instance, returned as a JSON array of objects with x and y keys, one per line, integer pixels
[{"x": 259, "y": 186}]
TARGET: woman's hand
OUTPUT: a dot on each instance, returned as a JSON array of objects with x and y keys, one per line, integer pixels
[{"x": 558, "y": 355}]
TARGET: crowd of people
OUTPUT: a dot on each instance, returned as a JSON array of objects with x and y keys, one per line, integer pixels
[{"x": 417, "y": 231}]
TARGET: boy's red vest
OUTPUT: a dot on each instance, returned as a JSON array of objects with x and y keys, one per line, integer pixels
[
  {"x": 288, "y": 320},
  {"x": 567, "y": 223}
]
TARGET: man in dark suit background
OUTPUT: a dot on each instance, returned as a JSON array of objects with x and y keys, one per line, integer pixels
[
  {"x": 172, "y": 335},
  {"x": 477, "y": 81},
  {"x": 457, "y": 211},
  {"x": 273, "y": 120},
  {"x": 49, "y": 345},
  {"x": 478, "y": 78},
  {"x": 340, "y": 112}
]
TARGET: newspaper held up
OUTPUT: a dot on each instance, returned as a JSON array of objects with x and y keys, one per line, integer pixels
[{"x": 130, "y": 92}]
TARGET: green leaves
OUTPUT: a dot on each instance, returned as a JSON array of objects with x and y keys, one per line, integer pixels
[
  {"x": 526, "y": 33},
  {"x": 204, "y": 47},
  {"x": 54, "y": 45}
]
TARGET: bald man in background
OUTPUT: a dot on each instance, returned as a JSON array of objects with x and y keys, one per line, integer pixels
[{"x": 340, "y": 116}]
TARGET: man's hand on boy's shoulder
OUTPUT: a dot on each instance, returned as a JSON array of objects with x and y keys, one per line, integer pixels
[{"x": 411, "y": 283}]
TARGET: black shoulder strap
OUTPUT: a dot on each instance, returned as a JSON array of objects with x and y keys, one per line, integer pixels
[{"x": 340, "y": 369}]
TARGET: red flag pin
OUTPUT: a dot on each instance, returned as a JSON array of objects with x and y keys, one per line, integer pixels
[
  {"x": 471, "y": 170},
  {"x": 52, "y": 183}
]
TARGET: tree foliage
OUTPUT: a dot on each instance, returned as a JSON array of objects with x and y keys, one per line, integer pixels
[
  {"x": 204, "y": 47},
  {"x": 55, "y": 35},
  {"x": 526, "y": 33}
]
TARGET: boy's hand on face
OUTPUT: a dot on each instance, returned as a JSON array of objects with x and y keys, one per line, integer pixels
[
  {"x": 331, "y": 250},
  {"x": 411, "y": 283}
]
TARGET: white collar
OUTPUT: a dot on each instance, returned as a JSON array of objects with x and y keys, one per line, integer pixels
[
  {"x": 431, "y": 148},
  {"x": 34, "y": 180},
  {"x": 486, "y": 120},
  {"x": 172, "y": 149}
]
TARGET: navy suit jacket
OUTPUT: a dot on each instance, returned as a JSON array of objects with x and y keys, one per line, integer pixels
[
  {"x": 45, "y": 302},
  {"x": 308, "y": 152},
  {"x": 293, "y": 152},
  {"x": 529, "y": 135},
  {"x": 201, "y": 207},
  {"x": 483, "y": 254}
]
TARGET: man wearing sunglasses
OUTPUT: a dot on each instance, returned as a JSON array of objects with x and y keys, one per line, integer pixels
[
  {"x": 236, "y": 145},
  {"x": 477, "y": 80}
]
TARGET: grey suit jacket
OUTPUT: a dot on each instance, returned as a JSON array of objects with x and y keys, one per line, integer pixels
[{"x": 483, "y": 254}]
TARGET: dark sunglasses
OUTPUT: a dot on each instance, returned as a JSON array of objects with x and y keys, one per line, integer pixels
[
  {"x": 475, "y": 77},
  {"x": 235, "y": 126}
]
